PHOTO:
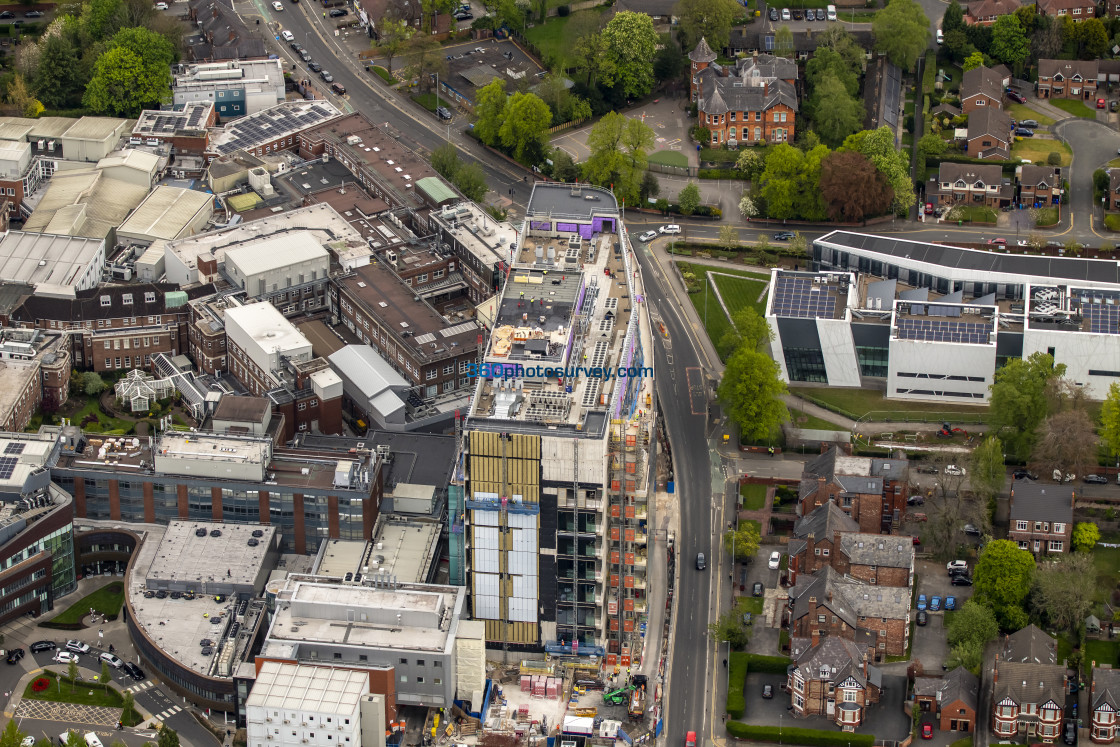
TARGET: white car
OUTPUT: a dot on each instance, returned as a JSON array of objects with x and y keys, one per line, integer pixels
[
  {"x": 65, "y": 657},
  {"x": 775, "y": 560},
  {"x": 648, "y": 236},
  {"x": 940, "y": 37},
  {"x": 161, "y": 6},
  {"x": 287, "y": 36},
  {"x": 277, "y": 6},
  {"x": 27, "y": 742},
  {"x": 956, "y": 565},
  {"x": 112, "y": 660},
  {"x": 953, "y": 469},
  {"x": 77, "y": 647},
  {"x": 671, "y": 228}
]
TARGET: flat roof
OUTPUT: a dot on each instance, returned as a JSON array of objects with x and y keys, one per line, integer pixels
[
  {"x": 96, "y": 128},
  {"x": 404, "y": 548},
  {"x": 488, "y": 240},
  {"x": 324, "y": 341},
  {"x": 570, "y": 201},
  {"x": 266, "y": 326},
  {"x": 274, "y": 252},
  {"x": 306, "y": 688},
  {"x": 243, "y": 408},
  {"x": 85, "y": 202},
  {"x": 417, "y": 458},
  {"x": 339, "y": 557},
  {"x": 284, "y": 119},
  {"x": 186, "y": 558},
  {"x": 157, "y": 122},
  {"x": 46, "y": 258},
  {"x": 21, "y": 454},
  {"x": 166, "y": 213},
  {"x": 201, "y": 445},
  {"x": 810, "y": 295}
]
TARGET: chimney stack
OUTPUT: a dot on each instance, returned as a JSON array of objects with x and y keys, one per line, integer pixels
[{"x": 816, "y": 637}]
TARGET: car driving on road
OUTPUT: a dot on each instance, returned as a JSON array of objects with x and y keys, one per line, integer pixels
[
  {"x": 671, "y": 228},
  {"x": 648, "y": 236}
]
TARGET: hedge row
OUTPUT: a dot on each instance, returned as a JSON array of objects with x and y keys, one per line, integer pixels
[
  {"x": 790, "y": 735},
  {"x": 720, "y": 174},
  {"x": 737, "y": 684}
]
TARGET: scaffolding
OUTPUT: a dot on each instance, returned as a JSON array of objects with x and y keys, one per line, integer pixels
[{"x": 627, "y": 555}]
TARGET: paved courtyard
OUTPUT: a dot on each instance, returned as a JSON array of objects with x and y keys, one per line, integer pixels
[{"x": 46, "y": 710}]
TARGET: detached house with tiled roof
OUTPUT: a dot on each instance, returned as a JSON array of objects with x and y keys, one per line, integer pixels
[
  {"x": 989, "y": 134},
  {"x": 981, "y": 87},
  {"x": 1067, "y": 79},
  {"x": 831, "y": 677},
  {"x": 828, "y": 537},
  {"x": 753, "y": 101},
  {"x": 1041, "y": 517},
  {"x": 1077, "y": 10},
  {"x": 953, "y": 698},
  {"x": 1040, "y": 184},
  {"x": 828, "y": 604},
  {"x": 872, "y": 491},
  {"x": 1104, "y": 701},
  {"x": 985, "y": 12},
  {"x": 1028, "y": 687}
]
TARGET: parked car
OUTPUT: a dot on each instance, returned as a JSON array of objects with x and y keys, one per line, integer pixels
[
  {"x": 927, "y": 727},
  {"x": 296, "y": 46},
  {"x": 1113, "y": 105},
  {"x": 278, "y": 6},
  {"x": 338, "y": 88},
  {"x": 287, "y": 36},
  {"x": 928, "y": 469},
  {"x": 971, "y": 530},
  {"x": 14, "y": 655},
  {"x": 1069, "y": 732},
  {"x": 33, "y": 14},
  {"x": 648, "y": 236},
  {"x": 934, "y": 603},
  {"x": 161, "y": 6},
  {"x": 1101, "y": 104},
  {"x": 757, "y": 589},
  {"x": 929, "y": 208},
  {"x": 1001, "y": 241},
  {"x": 950, "y": 603},
  {"x": 1022, "y": 474},
  {"x": 443, "y": 112},
  {"x": 305, "y": 55},
  {"x": 961, "y": 579},
  {"x": 701, "y": 561},
  {"x": 798, "y": 14},
  {"x": 133, "y": 671},
  {"x": 775, "y": 561},
  {"x": 831, "y": 12},
  {"x": 77, "y": 647},
  {"x": 810, "y": 15},
  {"x": 65, "y": 657},
  {"x": 922, "y": 618},
  {"x": 952, "y": 469},
  {"x": 114, "y": 661},
  {"x": 671, "y": 228},
  {"x": 785, "y": 14},
  {"x": 773, "y": 14},
  {"x": 783, "y": 235},
  {"x": 1024, "y": 132},
  {"x": 1016, "y": 96},
  {"x": 7, "y": 14},
  {"x": 40, "y": 646},
  {"x": 338, "y": 12},
  {"x": 314, "y": 67},
  {"x": 326, "y": 76},
  {"x": 956, "y": 565},
  {"x": 1057, "y": 475},
  {"x": 1095, "y": 479},
  {"x": 921, "y": 602},
  {"x": 1029, "y": 123},
  {"x": 915, "y": 500},
  {"x": 940, "y": 36},
  {"x": 768, "y": 691}
]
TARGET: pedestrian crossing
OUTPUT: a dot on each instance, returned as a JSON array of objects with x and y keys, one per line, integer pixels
[
  {"x": 140, "y": 688},
  {"x": 164, "y": 715}
]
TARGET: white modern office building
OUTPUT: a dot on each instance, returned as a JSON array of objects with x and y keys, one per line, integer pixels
[{"x": 936, "y": 321}]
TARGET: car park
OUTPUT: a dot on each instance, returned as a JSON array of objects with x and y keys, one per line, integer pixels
[
  {"x": 326, "y": 76},
  {"x": 338, "y": 88},
  {"x": 775, "y": 561},
  {"x": 921, "y": 602},
  {"x": 14, "y": 655},
  {"x": 961, "y": 579},
  {"x": 1095, "y": 479},
  {"x": 783, "y": 235},
  {"x": 934, "y": 603},
  {"x": 954, "y": 566},
  {"x": 922, "y": 619},
  {"x": 77, "y": 647},
  {"x": 1024, "y": 132},
  {"x": 648, "y": 236},
  {"x": 757, "y": 589},
  {"x": 1016, "y": 96},
  {"x": 287, "y": 36},
  {"x": 41, "y": 646},
  {"x": 768, "y": 691},
  {"x": 65, "y": 657},
  {"x": 785, "y": 14},
  {"x": 950, "y": 603},
  {"x": 133, "y": 671},
  {"x": 773, "y": 14},
  {"x": 672, "y": 228}
]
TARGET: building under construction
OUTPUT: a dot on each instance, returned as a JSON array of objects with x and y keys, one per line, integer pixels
[{"x": 555, "y": 471}]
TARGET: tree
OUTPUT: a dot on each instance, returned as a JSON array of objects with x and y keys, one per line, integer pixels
[
  {"x": 931, "y": 146},
  {"x": 1085, "y": 537},
  {"x": 649, "y": 187},
  {"x": 167, "y": 737},
  {"x": 153, "y": 48},
  {"x": 1060, "y": 591},
  {"x": 123, "y": 84},
  {"x": 689, "y": 199},
  {"x": 1091, "y": 38},
  {"x": 1027, "y": 16},
  {"x": 780, "y": 180},
  {"x": 748, "y": 329},
  {"x": 105, "y": 676},
  {"x": 751, "y": 392},
  {"x": 878, "y": 147},
  {"x": 957, "y": 45},
  {"x": 731, "y": 628},
  {"x": 525, "y": 127},
  {"x": 974, "y": 60},
  {"x": 426, "y": 58},
  {"x": 12, "y": 736},
  {"x": 1067, "y": 445},
  {"x": 74, "y": 739},
  {"x": 490, "y": 110},
  {"x": 901, "y": 32},
  {"x": 747, "y": 207},
  {"x": 829, "y": 60},
  {"x": 1110, "y": 421},
  {"x": 835, "y": 111},
  {"x": 93, "y": 384},
  {"x": 471, "y": 181},
  {"x": 852, "y": 187},
  {"x": 987, "y": 473},
  {"x": 393, "y": 38},
  {"x": 972, "y": 622},
  {"x": 632, "y": 43},
  {"x": 1018, "y": 401},
  {"x": 953, "y": 19},
  {"x": 56, "y": 77},
  {"x": 728, "y": 237},
  {"x": 1046, "y": 41},
  {"x": 445, "y": 160},
  {"x": 593, "y": 59},
  {"x": 669, "y": 63},
  {"x": 743, "y": 541},
  {"x": 750, "y": 163},
  {"x": 606, "y": 163},
  {"x": 1002, "y": 579},
  {"x": 705, "y": 19},
  {"x": 72, "y": 672},
  {"x": 128, "y": 707},
  {"x": 1010, "y": 44},
  {"x": 968, "y": 654},
  {"x": 20, "y": 96},
  {"x": 564, "y": 169}
]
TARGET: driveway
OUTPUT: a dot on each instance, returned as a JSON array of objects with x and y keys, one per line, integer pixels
[
  {"x": 886, "y": 720},
  {"x": 1094, "y": 145}
]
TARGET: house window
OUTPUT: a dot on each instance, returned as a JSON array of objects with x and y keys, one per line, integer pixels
[
  {"x": 850, "y": 696},
  {"x": 431, "y": 374},
  {"x": 1055, "y": 546},
  {"x": 979, "y": 102},
  {"x": 1059, "y": 528},
  {"x": 126, "y": 299},
  {"x": 824, "y": 552},
  {"x": 1021, "y": 526},
  {"x": 798, "y": 701}
]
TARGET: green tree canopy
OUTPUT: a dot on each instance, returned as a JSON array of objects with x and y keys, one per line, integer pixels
[
  {"x": 123, "y": 84},
  {"x": 987, "y": 473},
  {"x": 632, "y": 44},
  {"x": 748, "y": 329},
  {"x": 1110, "y": 421},
  {"x": 445, "y": 160},
  {"x": 743, "y": 541},
  {"x": 689, "y": 198},
  {"x": 1086, "y": 535},
  {"x": 973, "y": 61},
  {"x": 490, "y": 110},
  {"x": 1061, "y": 592},
  {"x": 11, "y": 736},
  {"x": 1002, "y": 579},
  {"x": 705, "y": 19},
  {"x": 56, "y": 78},
  {"x": 972, "y": 622},
  {"x": 1010, "y": 44},
  {"x": 953, "y": 18},
  {"x": 471, "y": 181},
  {"x": 1018, "y": 401},
  {"x": 901, "y": 32},
  {"x": 525, "y": 127},
  {"x": 392, "y": 38},
  {"x": 836, "y": 111},
  {"x": 751, "y": 392},
  {"x": 878, "y": 147}
]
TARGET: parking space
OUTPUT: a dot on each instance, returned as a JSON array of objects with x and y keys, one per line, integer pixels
[
  {"x": 768, "y": 711},
  {"x": 886, "y": 720},
  {"x": 929, "y": 646}
]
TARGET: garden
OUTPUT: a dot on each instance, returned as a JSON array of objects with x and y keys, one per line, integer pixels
[
  {"x": 870, "y": 404},
  {"x": 50, "y": 686},
  {"x": 107, "y": 600}
]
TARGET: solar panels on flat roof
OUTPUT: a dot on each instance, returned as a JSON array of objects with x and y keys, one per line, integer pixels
[
  {"x": 7, "y": 466},
  {"x": 15, "y": 447},
  {"x": 935, "y": 330},
  {"x": 801, "y": 297},
  {"x": 1103, "y": 319}
]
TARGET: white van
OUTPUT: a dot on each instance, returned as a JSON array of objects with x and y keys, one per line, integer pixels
[
  {"x": 831, "y": 13},
  {"x": 92, "y": 740}
]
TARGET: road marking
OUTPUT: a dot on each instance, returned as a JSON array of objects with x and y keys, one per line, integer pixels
[
  {"x": 140, "y": 687},
  {"x": 695, "y": 387}
]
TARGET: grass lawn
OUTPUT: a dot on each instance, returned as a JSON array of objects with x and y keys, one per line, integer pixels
[
  {"x": 757, "y": 526},
  {"x": 383, "y": 74},
  {"x": 426, "y": 100},
  {"x": 102, "y": 424},
  {"x": 1020, "y": 112},
  {"x": 752, "y": 605},
  {"x": 741, "y": 292},
  {"x": 1048, "y": 216},
  {"x": 550, "y": 39},
  {"x": 1036, "y": 149},
  {"x": 962, "y": 742},
  {"x": 1112, "y": 222},
  {"x": 1106, "y": 560},
  {"x": 812, "y": 422},
  {"x": 1074, "y": 107},
  {"x": 108, "y": 600},
  {"x": 736, "y": 293},
  {"x": 669, "y": 158},
  {"x": 754, "y": 496},
  {"x": 82, "y": 693},
  {"x": 1102, "y": 652},
  {"x": 859, "y": 402},
  {"x": 971, "y": 213}
]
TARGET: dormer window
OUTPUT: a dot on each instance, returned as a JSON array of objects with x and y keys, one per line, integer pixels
[
  {"x": 126, "y": 299},
  {"x": 106, "y": 301},
  {"x": 150, "y": 297}
]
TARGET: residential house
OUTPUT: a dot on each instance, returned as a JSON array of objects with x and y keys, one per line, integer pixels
[
  {"x": 221, "y": 34},
  {"x": 1041, "y": 516},
  {"x": 1028, "y": 687},
  {"x": 751, "y": 102},
  {"x": 1067, "y": 79},
  {"x": 829, "y": 538},
  {"x": 970, "y": 183},
  {"x": 944, "y": 108},
  {"x": 1040, "y": 184},
  {"x": 985, "y": 12},
  {"x": 981, "y": 87},
  {"x": 1104, "y": 700},
  {"x": 1114, "y": 188},
  {"x": 951, "y": 698},
  {"x": 831, "y": 677},
  {"x": 989, "y": 134},
  {"x": 661, "y": 11},
  {"x": 827, "y": 604},
  {"x": 871, "y": 491},
  {"x": 1078, "y": 10}
]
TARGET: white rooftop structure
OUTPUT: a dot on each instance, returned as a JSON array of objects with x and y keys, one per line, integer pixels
[
  {"x": 85, "y": 202},
  {"x": 266, "y": 336},
  {"x": 298, "y": 687},
  {"x": 371, "y": 382},
  {"x": 52, "y": 262},
  {"x": 22, "y": 454},
  {"x": 168, "y": 213},
  {"x": 282, "y": 249},
  {"x": 212, "y": 558},
  {"x": 212, "y": 455}
]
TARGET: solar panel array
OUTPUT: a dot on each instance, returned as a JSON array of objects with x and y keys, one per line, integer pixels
[
  {"x": 935, "y": 330},
  {"x": 7, "y": 466},
  {"x": 170, "y": 122},
  {"x": 799, "y": 297},
  {"x": 15, "y": 447},
  {"x": 1102, "y": 319},
  {"x": 273, "y": 123}
]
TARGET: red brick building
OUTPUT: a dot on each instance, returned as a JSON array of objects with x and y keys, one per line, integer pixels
[
  {"x": 951, "y": 698},
  {"x": 1104, "y": 700},
  {"x": 981, "y": 87},
  {"x": 1028, "y": 687},
  {"x": 871, "y": 491},
  {"x": 1041, "y": 517},
  {"x": 829, "y": 538},
  {"x": 1040, "y": 183},
  {"x": 827, "y": 604},
  {"x": 831, "y": 677},
  {"x": 1067, "y": 79}
]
